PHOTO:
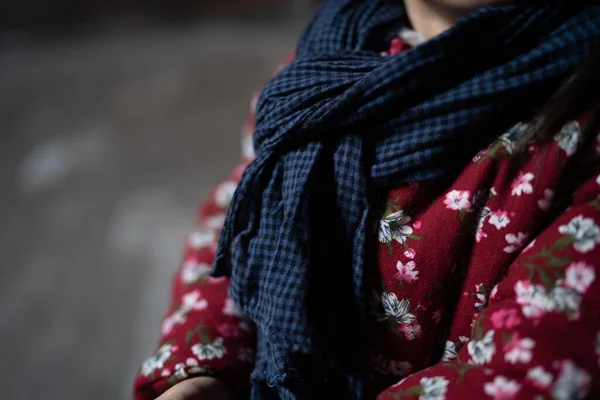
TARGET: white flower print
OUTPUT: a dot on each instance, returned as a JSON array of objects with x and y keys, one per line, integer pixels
[
  {"x": 565, "y": 299},
  {"x": 189, "y": 301},
  {"x": 522, "y": 184},
  {"x": 533, "y": 299},
  {"x": 202, "y": 239},
  {"x": 518, "y": 350},
  {"x": 394, "y": 227},
  {"x": 499, "y": 219},
  {"x": 434, "y": 388},
  {"x": 224, "y": 193},
  {"x": 157, "y": 361},
  {"x": 539, "y": 377},
  {"x": 568, "y": 137},
  {"x": 191, "y": 362},
  {"x": 180, "y": 372},
  {"x": 231, "y": 309},
  {"x": 464, "y": 339},
  {"x": 494, "y": 291},
  {"x": 583, "y": 231},
  {"x": 165, "y": 372},
  {"x": 397, "y": 311},
  {"x": 191, "y": 271},
  {"x": 481, "y": 351},
  {"x": 192, "y": 301},
  {"x": 530, "y": 245},
  {"x": 502, "y": 388},
  {"x": 572, "y": 382},
  {"x": 191, "y": 366},
  {"x": 406, "y": 272},
  {"x": 598, "y": 179},
  {"x": 579, "y": 276},
  {"x": 215, "y": 221},
  {"x": 458, "y": 200},
  {"x": 248, "y": 147},
  {"x": 449, "y": 351},
  {"x": 546, "y": 202},
  {"x": 177, "y": 317},
  {"x": 209, "y": 351},
  {"x": 515, "y": 242},
  {"x": 479, "y": 235},
  {"x": 512, "y": 136},
  {"x": 481, "y": 296}
]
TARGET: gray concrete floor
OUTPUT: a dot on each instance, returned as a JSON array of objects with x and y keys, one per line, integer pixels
[{"x": 107, "y": 144}]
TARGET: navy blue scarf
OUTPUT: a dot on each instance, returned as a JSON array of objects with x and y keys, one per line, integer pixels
[{"x": 343, "y": 122}]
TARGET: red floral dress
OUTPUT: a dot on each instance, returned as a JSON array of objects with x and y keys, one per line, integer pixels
[{"x": 487, "y": 284}]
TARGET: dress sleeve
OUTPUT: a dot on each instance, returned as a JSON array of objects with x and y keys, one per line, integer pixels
[
  {"x": 203, "y": 333},
  {"x": 539, "y": 337}
]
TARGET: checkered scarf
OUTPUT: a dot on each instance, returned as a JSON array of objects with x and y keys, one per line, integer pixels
[{"x": 343, "y": 122}]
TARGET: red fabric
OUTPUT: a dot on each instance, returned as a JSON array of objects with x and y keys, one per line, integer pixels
[{"x": 486, "y": 284}]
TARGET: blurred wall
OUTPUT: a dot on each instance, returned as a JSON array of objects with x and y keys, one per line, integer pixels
[
  {"x": 35, "y": 14},
  {"x": 109, "y": 139}
]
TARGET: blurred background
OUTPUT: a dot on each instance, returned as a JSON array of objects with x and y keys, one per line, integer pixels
[{"x": 116, "y": 119}]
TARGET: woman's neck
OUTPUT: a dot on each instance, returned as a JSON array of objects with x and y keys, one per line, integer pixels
[{"x": 430, "y": 18}]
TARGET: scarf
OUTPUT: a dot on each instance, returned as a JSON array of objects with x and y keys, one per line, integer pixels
[{"x": 343, "y": 122}]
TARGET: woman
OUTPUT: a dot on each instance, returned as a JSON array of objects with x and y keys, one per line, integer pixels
[{"x": 421, "y": 219}]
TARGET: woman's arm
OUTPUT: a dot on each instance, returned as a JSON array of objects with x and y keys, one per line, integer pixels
[
  {"x": 203, "y": 333},
  {"x": 539, "y": 337}
]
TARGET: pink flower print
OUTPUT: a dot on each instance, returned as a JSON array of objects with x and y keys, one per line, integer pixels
[
  {"x": 458, "y": 200},
  {"x": 505, "y": 318},
  {"x": 411, "y": 331},
  {"x": 522, "y": 184},
  {"x": 499, "y": 219},
  {"x": 579, "y": 276},
  {"x": 229, "y": 330},
  {"x": 406, "y": 272},
  {"x": 410, "y": 253},
  {"x": 417, "y": 225}
]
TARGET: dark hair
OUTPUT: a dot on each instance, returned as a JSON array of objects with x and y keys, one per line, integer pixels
[{"x": 578, "y": 92}]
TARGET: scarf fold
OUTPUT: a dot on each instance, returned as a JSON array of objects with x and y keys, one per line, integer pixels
[{"x": 343, "y": 122}]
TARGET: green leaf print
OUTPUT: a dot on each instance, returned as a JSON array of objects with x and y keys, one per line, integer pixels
[
  {"x": 563, "y": 242},
  {"x": 461, "y": 369},
  {"x": 410, "y": 392},
  {"x": 172, "y": 380},
  {"x": 557, "y": 262}
]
